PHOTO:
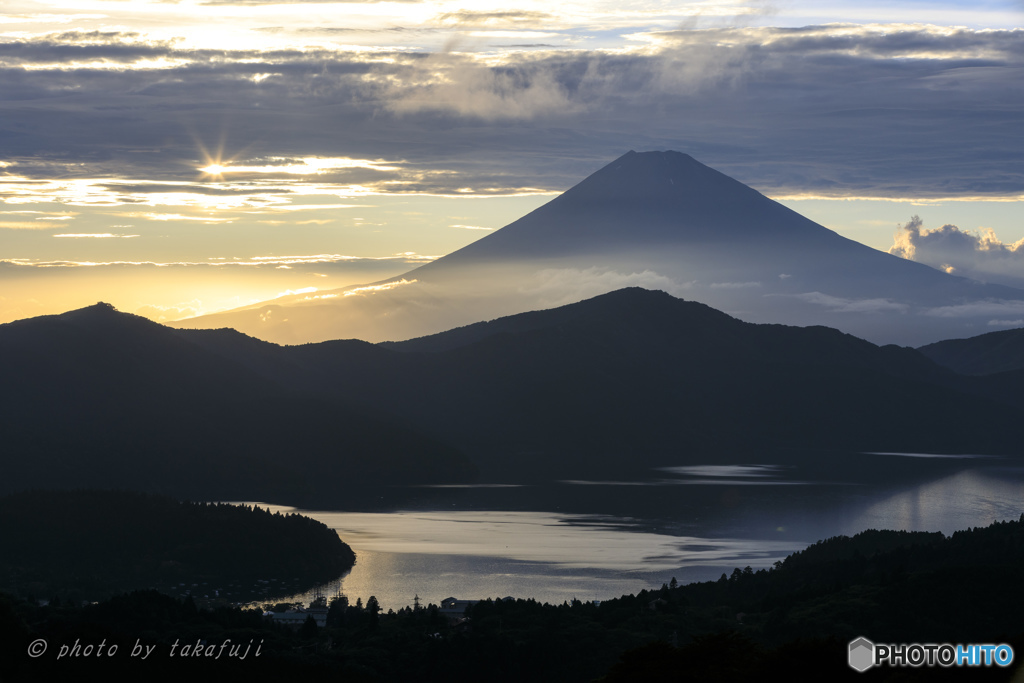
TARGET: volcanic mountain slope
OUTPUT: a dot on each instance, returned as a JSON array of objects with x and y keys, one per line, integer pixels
[{"x": 658, "y": 220}]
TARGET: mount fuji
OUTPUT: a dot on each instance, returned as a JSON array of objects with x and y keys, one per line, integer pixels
[{"x": 659, "y": 220}]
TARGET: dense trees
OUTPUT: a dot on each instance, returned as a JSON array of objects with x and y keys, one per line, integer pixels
[
  {"x": 90, "y": 544},
  {"x": 797, "y": 617}
]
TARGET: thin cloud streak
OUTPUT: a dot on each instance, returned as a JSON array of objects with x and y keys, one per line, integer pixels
[
  {"x": 96, "y": 235},
  {"x": 408, "y": 259}
]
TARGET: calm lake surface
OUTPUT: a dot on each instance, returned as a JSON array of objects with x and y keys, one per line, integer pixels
[{"x": 594, "y": 540}]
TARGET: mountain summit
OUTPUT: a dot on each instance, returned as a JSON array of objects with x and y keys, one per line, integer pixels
[
  {"x": 640, "y": 199},
  {"x": 660, "y": 220}
]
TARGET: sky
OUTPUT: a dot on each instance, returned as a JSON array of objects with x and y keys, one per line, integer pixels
[{"x": 181, "y": 157}]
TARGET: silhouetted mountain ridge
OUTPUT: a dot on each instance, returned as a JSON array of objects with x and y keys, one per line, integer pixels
[
  {"x": 641, "y": 376},
  {"x": 603, "y": 309},
  {"x": 628, "y": 380},
  {"x": 986, "y": 354},
  {"x": 639, "y": 317},
  {"x": 105, "y": 399}
]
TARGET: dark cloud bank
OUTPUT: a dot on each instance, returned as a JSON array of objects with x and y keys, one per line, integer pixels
[{"x": 846, "y": 111}]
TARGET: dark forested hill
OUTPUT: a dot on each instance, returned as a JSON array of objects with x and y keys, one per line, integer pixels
[
  {"x": 985, "y": 354},
  {"x": 91, "y": 544},
  {"x": 105, "y": 399},
  {"x": 798, "y": 617},
  {"x": 627, "y": 380},
  {"x": 643, "y": 378}
]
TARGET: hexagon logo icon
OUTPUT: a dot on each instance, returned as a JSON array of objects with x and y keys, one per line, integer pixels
[{"x": 862, "y": 654}]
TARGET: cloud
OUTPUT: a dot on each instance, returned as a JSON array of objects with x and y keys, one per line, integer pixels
[
  {"x": 293, "y": 292},
  {"x": 842, "y": 110},
  {"x": 559, "y": 286},
  {"x": 146, "y": 188},
  {"x": 316, "y": 207},
  {"x": 470, "y": 18},
  {"x": 255, "y": 185},
  {"x": 372, "y": 263},
  {"x": 308, "y": 166},
  {"x": 734, "y": 285},
  {"x": 361, "y": 291},
  {"x": 1001, "y": 308},
  {"x": 979, "y": 255},
  {"x": 249, "y": 3},
  {"x": 150, "y": 216},
  {"x": 161, "y": 314},
  {"x": 841, "y": 305},
  {"x": 459, "y": 84},
  {"x": 25, "y": 225},
  {"x": 96, "y": 235},
  {"x": 101, "y": 49}
]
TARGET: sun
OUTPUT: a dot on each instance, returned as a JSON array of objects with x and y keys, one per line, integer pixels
[
  {"x": 217, "y": 163},
  {"x": 214, "y": 169}
]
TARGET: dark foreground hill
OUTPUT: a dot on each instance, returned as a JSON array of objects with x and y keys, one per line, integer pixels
[
  {"x": 106, "y": 399},
  {"x": 642, "y": 378},
  {"x": 796, "y": 618},
  {"x": 625, "y": 381},
  {"x": 93, "y": 544},
  {"x": 985, "y": 354}
]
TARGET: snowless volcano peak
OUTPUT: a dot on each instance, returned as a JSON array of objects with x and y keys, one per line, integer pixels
[
  {"x": 642, "y": 200},
  {"x": 659, "y": 220},
  {"x": 658, "y": 175}
]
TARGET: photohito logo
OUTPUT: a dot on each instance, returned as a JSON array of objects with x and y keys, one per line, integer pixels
[{"x": 863, "y": 654}]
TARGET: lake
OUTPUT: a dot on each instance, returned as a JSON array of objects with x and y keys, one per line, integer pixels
[{"x": 594, "y": 540}]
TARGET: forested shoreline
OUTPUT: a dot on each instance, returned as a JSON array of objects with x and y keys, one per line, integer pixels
[
  {"x": 888, "y": 586},
  {"x": 90, "y": 545}
]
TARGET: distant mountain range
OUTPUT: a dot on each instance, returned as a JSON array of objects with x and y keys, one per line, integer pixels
[
  {"x": 660, "y": 220},
  {"x": 624, "y": 381},
  {"x": 986, "y": 354}
]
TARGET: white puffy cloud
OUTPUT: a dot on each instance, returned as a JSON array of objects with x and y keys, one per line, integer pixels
[
  {"x": 460, "y": 84},
  {"x": 979, "y": 255}
]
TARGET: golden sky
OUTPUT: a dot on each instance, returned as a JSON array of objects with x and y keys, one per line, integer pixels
[{"x": 179, "y": 158}]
